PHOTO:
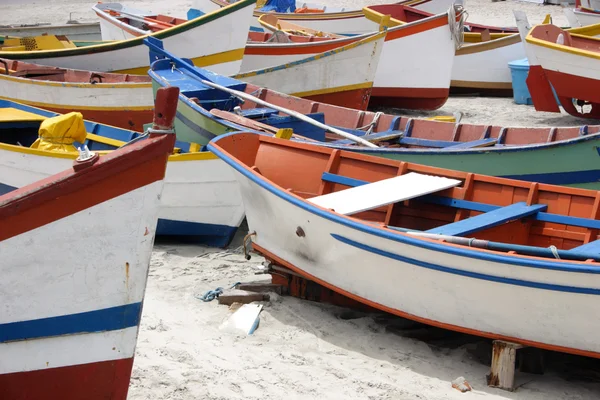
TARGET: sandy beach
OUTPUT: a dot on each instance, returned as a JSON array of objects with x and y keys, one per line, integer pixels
[{"x": 302, "y": 349}]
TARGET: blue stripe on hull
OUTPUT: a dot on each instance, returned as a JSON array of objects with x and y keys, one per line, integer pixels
[
  {"x": 207, "y": 234},
  {"x": 194, "y": 127},
  {"x": 108, "y": 319},
  {"x": 469, "y": 274},
  {"x": 6, "y": 188},
  {"x": 560, "y": 178}
]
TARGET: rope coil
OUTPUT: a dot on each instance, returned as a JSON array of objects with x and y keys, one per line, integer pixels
[{"x": 457, "y": 28}]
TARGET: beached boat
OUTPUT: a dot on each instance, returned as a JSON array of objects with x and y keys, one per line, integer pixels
[
  {"x": 476, "y": 254},
  {"x": 480, "y": 63},
  {"x": 564, "y": 156},
  {"x": 227, "y": 28},
  {"x": 271, "y": 23},
  {"x": 75, "y": 249},
  {"x": 319, "y": 17},
  {"x": 74, "y": 31},
  {"x": 120, "y": 100},
  {"x": 567, "y": 62},
  {"x": 421, "y": 81},
  {"x": 200, "y": 201}
]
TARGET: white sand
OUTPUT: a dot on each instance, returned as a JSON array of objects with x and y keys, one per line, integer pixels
[{"x": 305, "y": 350}]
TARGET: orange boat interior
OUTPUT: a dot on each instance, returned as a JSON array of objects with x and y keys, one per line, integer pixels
[
  {"x": 44, "y": 73},
  {"x": 415, "y": 132},
  {"x": 309, "y": 171},
  {"x": 154, "y": 23},
  {"x": 554, "y": 34},
  {"x": 265, "y": 37}
]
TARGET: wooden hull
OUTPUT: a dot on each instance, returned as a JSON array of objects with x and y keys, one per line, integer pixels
[
  {"x": 124, "y": 105},
  {"x": 419, "y": 279},
  {"x": 85, "y": 32},
  {"x": 200, "y": 200},
  {"x": 227, "y": 28},
  {"x": 71, "y": 310},
  {"x": 316, "y": 70},
  {"x": 561, "y": 156},
  {"x": 573, "y": 73}
]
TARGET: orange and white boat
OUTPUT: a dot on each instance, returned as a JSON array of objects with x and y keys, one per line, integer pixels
[
  {"x": 120, "y": 100},
  {"x": 421, "y": 81}
]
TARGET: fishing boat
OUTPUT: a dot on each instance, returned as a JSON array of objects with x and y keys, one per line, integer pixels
[
  {"x": 227, "y": 29},
  {"x": 121, "y": 100},
  {"x": 421, "y": 81},
  {"x": 75, "y": 249},
  {"x": 210, "y": 105},
  {"x": 476, "y": 254},
  {"x": 271, "y": 23},
  {"x": 481, "y": 61},
  {"x": 200, "y": 201},
  {"x": 319, "y": 17},
  {"x": 567, "y": 63},
  {"x": 74, "y": 31}
]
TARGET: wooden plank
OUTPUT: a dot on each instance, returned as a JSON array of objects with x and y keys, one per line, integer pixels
[
  {"x": 261, "y": 287},
  {"x": 488, "y": 219},
  {"x": 592, "y": 248},
  {"x": 231, "y": 296},
  {"x": 474, "y": 144},
  {"x": 502, "y": 370},
  {"x": 381, "y": 193}
]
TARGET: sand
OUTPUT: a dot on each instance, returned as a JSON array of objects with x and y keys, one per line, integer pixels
[{"x": 305, "y": 350}]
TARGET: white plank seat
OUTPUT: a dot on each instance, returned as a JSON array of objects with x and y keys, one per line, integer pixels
[{"x": 384, "y": 192}]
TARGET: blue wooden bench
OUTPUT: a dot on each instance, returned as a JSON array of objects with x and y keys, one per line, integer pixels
[
  {"x": 260, "y": 112},
  {"x": 488, "y": 219}
]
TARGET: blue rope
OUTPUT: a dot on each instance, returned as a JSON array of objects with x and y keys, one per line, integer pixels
[{"x": 213, "y": 294}]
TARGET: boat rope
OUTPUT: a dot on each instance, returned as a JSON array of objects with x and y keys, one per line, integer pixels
[
  {"x": 213, "y": 294},
  {"x": 369, "y": 127},
  {"x": 457, "y": 16},
  {"x": 554, "y": 251}
]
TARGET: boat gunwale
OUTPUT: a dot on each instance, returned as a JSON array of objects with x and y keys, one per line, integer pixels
[{"x": 571, "y": 266}]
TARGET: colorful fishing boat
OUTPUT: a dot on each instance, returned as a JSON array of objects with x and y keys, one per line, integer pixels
[
  {"x": 121, "y": 100},
  {"x": 318, "y": 17},
  {"x": 75, "y": 249},
  {"x": 227, "y": 29},
  {"x": 193, "y": 206},
  {"x": 421, "y": 81},
  {"x": 481, "y": 61},
  {"x": 476, "y": 254},
  {"x": 74, "y": 31},
  {"x": 208, "y": 107},
  {"x": 567, "y": 63}
]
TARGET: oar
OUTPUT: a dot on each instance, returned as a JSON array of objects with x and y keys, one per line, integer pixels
[
  {"x": 140, "y": 18},
  {"x": 292, "y": 113}
]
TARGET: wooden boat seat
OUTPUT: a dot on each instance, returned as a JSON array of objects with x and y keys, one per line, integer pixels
[
  {"x": 474, "y": 205},
  {"x": 384, "y": 192},
  {"x": 489, "y": 219}
]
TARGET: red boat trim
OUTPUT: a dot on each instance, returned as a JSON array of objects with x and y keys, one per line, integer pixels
[
  {"x": 274, "y": 258},
  {"x": 417, "y": 27},
  {"x": 410, "y": 98},
  {"x": 69, "y": 192},
  {"x": 94, "y": 381},
  {"x": 357, "y": 99},
  {"x": 257, "y": 48}
]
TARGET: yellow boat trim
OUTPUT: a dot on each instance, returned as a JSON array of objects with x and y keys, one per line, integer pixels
[
  {"x": 481, "y": 85},
  {"x": 205, "y": 155},
  {"x": 204, "y": 61},
  {"x": 346, "y": 88},
  {"x": 77, "y": 107},
  {"x": 590, "y": 30},
  {"x": 471, "y": 48},
  {"x": 10, "y": 114},
  {"x": 565, "y": 49},
  {"x": 124, "y": 85}
]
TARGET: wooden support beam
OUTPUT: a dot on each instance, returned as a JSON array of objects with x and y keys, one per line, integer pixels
[
  {"x": 228, "y": 297},
  {"x": 502, "y": 370},
  {"x": 261, "y": 287}
]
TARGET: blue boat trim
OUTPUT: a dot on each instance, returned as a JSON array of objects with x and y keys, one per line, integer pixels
[
  {"x": 560, "y": 178},
  {"x": 208, "y": 234},
  {"x": 397, "y": 237},
  {"x": 6, "y": 188},
  {"x": 108, "y": 319},
  {"x": 469, "y": 274}
]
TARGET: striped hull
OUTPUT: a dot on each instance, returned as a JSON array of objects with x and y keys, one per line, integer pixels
[
  {"x": 228, "y": 30},
  {"x": 200, "y": 199},
  {"x": 124, "y": 105},
  {"x": 423, "y": 280},
  {"x": 72, "y": 303}
]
